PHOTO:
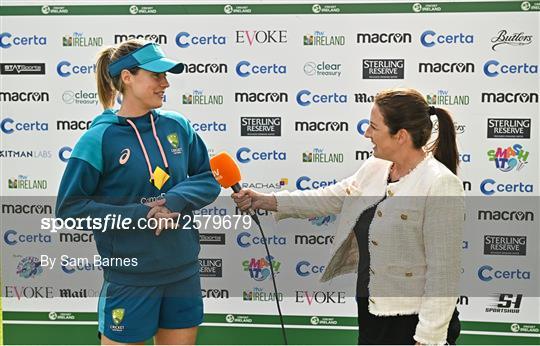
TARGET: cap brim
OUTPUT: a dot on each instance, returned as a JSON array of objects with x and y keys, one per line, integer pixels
[{"x": 163, "y": 65}]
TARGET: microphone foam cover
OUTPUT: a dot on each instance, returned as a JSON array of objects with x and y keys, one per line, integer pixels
[{"x": 225, "y": 170}]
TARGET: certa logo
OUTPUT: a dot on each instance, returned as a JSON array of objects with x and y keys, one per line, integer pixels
[{"x": 125, "y": 156}]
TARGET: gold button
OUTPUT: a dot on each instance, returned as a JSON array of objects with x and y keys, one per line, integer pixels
[
  {"x": 390, "y": 193},
  {"x": 348, "y": 191},
  {"x": 371, "y": 300},
  {"x": 379, "y": 213},
  {"x": 371, "y": 270},
  {"x": 403, "y": 216},
  {"x": 374, "y": 242},
  {"x": 408, "y": 274}
]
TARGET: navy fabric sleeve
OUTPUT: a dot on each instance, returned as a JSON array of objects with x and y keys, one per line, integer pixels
[
  {"x": 76, "y": 197},
  {"x": 200, "y": 188}
]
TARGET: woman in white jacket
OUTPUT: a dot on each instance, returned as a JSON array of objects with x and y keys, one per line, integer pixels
[{"x": 401, "y": 223}]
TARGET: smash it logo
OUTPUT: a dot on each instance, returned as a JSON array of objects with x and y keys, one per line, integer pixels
[{"x": 124, "y": 157}]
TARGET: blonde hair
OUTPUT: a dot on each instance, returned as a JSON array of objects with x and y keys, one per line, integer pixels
[{"x": 108, "y": 86}]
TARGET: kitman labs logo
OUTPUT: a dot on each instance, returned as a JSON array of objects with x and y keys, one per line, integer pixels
[{"x": 509, "y": 159}]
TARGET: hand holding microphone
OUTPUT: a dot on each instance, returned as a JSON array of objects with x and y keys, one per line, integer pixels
[
  {"x": 251, "y": 199},
  {"x": 227, "y": 174}
]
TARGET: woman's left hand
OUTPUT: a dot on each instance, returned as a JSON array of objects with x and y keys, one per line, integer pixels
[{"x": 162, "y": 214}]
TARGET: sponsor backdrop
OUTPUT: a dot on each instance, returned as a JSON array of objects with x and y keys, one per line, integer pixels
[{"x": 287, "y": 90}]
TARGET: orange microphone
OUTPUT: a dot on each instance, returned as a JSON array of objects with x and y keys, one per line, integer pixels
[
  {"x": 227, "y": 174},
  {"x": 226, "y": 171}
]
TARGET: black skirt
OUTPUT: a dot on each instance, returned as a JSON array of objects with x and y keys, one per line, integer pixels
[{"x": 394, "y": 330}]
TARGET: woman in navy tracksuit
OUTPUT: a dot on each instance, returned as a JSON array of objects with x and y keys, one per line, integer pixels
[{"x": 141, "y": 163}]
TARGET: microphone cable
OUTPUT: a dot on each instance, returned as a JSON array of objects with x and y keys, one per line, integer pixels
[{"x": 256, "y": 219}]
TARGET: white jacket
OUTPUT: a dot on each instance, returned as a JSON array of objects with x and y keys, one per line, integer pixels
[{"x": 414, "y": 238}]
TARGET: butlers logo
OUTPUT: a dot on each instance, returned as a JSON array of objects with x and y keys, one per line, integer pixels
[{"x": 505, "y": 38}]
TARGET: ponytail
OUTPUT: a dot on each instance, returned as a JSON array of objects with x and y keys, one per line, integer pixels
[
  {"x": 105, "y": 86},
  {"x": 445, "y": 148},
  {"x": 108, "y": 86}
]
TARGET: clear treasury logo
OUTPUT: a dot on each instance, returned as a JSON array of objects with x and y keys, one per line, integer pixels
[
  {"x": 513, "y": 39},
  {"x": 80, "y": 97},
  {"x": 322, "y": 69}
]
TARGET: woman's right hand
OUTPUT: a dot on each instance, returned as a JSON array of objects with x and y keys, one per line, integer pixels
[{"x": 251, "y": 199}]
